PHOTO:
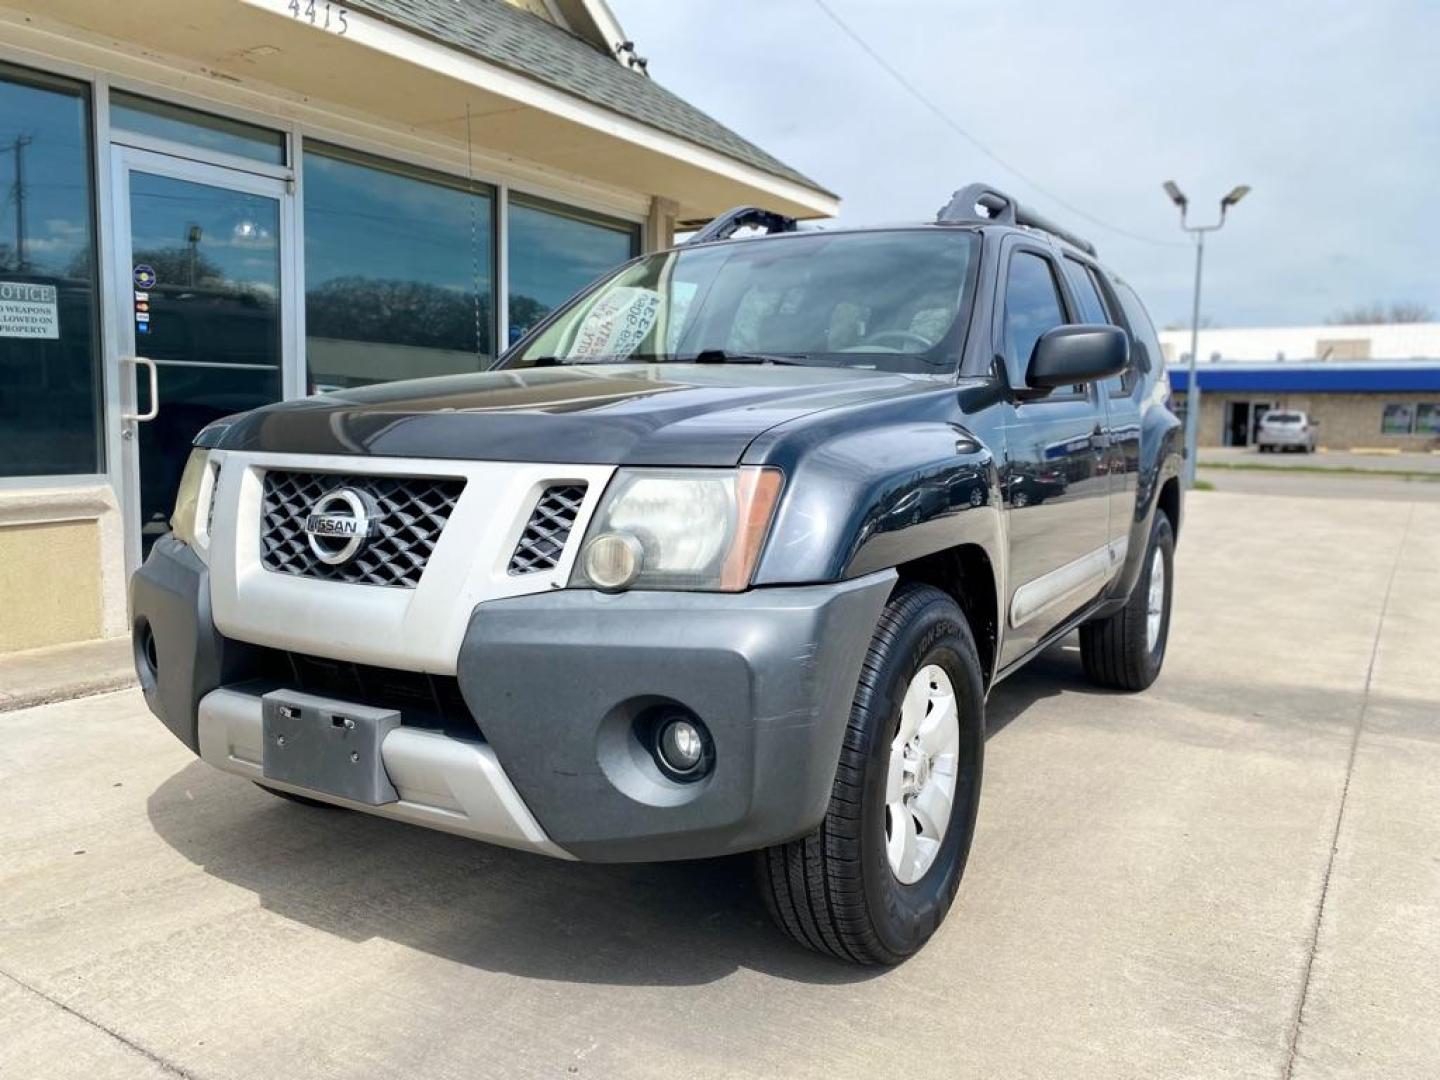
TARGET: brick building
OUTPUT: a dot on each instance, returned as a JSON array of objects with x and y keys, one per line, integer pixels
[{"x": 1370, "y": 404}]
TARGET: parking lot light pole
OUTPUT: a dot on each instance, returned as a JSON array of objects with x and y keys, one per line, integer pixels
[{"x": 1192, "y": 384}]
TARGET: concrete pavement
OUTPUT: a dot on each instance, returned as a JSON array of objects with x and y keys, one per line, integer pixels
[
  {"x": 1315, "y": 484},
  {"x": 57, "y": 672},
  {"x": 1249, "y": 456},
  {"x": 1236, "y": 873}
]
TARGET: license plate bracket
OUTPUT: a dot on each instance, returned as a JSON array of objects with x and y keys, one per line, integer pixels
[{"x": 327, "y": 746}]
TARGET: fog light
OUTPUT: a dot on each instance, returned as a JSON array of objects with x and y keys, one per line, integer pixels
[
  {"x": 681, "y": 745},
  {"x": 612, "y": 561}
]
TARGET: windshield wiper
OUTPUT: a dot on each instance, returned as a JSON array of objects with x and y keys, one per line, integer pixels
[{"x": 721, "y": 356}]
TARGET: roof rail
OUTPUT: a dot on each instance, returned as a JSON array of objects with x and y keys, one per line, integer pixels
[
  {"x": 737, "y": 218},
  {"x": 967, "y": 204}
]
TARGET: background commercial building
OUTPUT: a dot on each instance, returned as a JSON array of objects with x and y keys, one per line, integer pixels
[
  {"x": 213, "y": 204},
  {"x": 1376, "y": 406},
  {"x": 1368, "y": 386}
]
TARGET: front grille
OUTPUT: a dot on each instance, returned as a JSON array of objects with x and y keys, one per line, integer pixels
[
  {"x": 543, "y": 541},
  {"x": 412, "y": 512},
  {"x": 428, "y": 701}
]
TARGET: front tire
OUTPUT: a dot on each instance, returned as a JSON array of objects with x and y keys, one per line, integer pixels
[
  {"x": 1127, "y": 650},
  {"x": 875, "y": 880}
]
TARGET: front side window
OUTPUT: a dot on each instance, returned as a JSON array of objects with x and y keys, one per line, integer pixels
[
  {"x": 887, "y": 301},
  {"x": 554, "y": 253},
  {"x": 49, "y": 372},
  {"x": 398, "y": 271},
  {"x": 1032, "y": 306}
]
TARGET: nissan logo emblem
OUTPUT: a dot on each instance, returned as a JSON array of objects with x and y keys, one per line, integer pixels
[{"x": 340, "y": 523}]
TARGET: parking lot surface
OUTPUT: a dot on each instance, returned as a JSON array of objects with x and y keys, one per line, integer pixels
[
  {"x": 1422, "y": 462},
  {"x": 1234, "y": 874}
]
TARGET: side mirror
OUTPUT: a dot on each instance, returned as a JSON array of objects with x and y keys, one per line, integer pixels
[{"x": 1067, "y": 355}]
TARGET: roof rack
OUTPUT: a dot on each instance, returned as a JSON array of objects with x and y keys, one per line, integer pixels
[
  {"x": 737, "y": 218},
  {"x": 983, "y": 203}
]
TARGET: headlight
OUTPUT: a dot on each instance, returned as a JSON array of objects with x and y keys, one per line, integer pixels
[
  {"x": 678, "y": 529},
  {"x": 193, "y": 488}
]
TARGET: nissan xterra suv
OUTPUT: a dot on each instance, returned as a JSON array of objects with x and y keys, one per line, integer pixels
[{"x": 724, "y": 556}]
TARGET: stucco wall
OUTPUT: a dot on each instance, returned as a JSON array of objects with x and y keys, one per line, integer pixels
[{"x": 62, "y": 566}]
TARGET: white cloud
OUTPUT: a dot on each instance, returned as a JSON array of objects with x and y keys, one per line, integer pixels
[{"x": 1329, "y": 110}]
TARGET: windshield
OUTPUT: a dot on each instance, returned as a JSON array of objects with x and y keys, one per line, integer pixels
[
  {"x": 884, "y": 300},
  {"x": 1281, "y": 418}
]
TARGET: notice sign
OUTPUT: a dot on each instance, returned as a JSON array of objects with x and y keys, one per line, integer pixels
[{"x": 28, "y": 311}]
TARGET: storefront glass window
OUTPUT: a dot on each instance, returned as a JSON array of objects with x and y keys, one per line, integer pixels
[
  {"x": 398, "y": 271},
  {"x": 1397, "y": 419},
  {"x": 554, "y": 253},
  {"x": 49, "y": 374},
  {"x": 193, "y": 128},
  {"x": 1427, "y": 418}
]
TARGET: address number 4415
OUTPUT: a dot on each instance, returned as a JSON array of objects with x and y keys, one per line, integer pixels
[{"x": 330, "y": 17}]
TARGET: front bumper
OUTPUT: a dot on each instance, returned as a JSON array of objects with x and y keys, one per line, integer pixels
[{"x": 556, "y": 682}]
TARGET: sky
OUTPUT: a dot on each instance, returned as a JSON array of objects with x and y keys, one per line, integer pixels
[{"x": 1330, "y": 111}]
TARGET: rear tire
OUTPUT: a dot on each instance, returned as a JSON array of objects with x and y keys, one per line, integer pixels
[
  {"x": 840, "y": 889},
  {"x": 1127, "y": 650}
]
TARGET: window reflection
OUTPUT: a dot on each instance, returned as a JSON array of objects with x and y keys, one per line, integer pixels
[
  {"x": 554, "y": 253},
  {"x": 49, "y": 378},
  {"x": 145, "y": 116},
  {"x": 398, "y": 271}
]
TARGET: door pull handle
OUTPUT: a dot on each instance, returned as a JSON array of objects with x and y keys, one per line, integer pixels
[{"x": 154, "y": 410}]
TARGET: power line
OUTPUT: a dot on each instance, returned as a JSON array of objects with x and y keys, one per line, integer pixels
[{"x": 946, "y": 119}]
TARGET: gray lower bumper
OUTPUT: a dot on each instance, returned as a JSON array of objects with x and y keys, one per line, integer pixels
[
  {"x": 170, "y": 612},
  {"x": 453, "y": 785},
  {"x": 556, "y": 682}
]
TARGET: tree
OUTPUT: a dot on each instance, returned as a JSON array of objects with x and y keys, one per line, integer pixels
[
  {"x": 1404, "y": 311},
  {"x": 398, "y": 312},
  {"x": 1206, "y": 322},
  {"x": 180, "y": 267}
]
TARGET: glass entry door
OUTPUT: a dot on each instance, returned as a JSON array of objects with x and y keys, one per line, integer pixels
[{"x": 205, "y": 325}]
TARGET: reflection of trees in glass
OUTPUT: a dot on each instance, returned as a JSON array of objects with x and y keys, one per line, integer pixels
[
  {"x": 180, "y": 266},
  {"x": 525, "y": 312},
  {"x": 397, "y": 313}
]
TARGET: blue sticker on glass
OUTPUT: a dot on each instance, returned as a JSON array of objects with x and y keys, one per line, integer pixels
[
  {"x": 144, "y": 277},
  {"x": 142, "y": 328}
]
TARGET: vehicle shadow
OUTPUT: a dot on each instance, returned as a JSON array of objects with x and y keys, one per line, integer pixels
[
  {"x": 1057, "y": 670},
  {"x": 361, "y": 877}
]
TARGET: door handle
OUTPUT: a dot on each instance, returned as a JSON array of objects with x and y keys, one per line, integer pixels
[{"x": 154, "y": 411}]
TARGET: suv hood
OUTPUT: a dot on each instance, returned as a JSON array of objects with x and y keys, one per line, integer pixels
[{"x": 614, "y": 414}]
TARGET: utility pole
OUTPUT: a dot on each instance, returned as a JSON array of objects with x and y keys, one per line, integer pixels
[
  {"x": 17, "y": 147},
  {"x": 1192, "y": 381}
]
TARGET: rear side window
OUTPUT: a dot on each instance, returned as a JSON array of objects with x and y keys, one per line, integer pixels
[
  {"x": 1032, "y": 306},
  {"x": 1147, "y": 352},
  {"x": 1092, "y": 308}
]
